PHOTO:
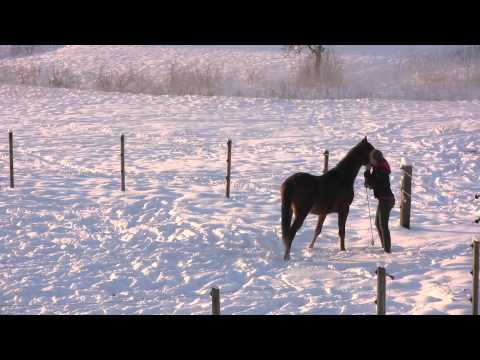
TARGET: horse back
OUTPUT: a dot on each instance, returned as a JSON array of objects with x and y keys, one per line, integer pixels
[
  {"x": 323, "y": 194},
  {"x": 302, "y": 184},
  {"x": 333, "y": 193}
]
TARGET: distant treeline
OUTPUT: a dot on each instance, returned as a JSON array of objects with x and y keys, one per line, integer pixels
[{"x": 25, "y": 50}]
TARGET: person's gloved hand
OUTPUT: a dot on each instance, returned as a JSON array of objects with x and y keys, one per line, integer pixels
[{"x": 368, "y": 167}]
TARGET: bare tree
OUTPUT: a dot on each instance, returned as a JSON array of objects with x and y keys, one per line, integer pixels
[
  {"x": 22, "y": 50},
  {"x": 321, "y": 70},
  {"x": 315, "y": 50}
]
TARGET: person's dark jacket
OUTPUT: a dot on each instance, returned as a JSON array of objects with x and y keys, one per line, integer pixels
[{"x": 379, "y": 181}]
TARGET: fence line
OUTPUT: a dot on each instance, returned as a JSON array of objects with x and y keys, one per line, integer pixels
[
  {"x": 406, "y": 196},
  {"x": 381, "y": 291},
  {"x": 475, "y": 275},
  {"x": 215, "y": 294},
  {"x": 122, "y": 160},
  {"x": 326, "y": 155},
  {"x": 229, "y": 167},
  {"x": 10, "y": 147}
]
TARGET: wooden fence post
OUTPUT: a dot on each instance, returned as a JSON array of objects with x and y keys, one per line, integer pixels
[
  {"x": 381, "y": 291},
  {"x": 10, "y": 145},
  {"x": 215, "y": 294},
  {"x": 475, "y": 273},
  {"x": 477, "y": 196},
  {"x": 229, "y": 167},
  {"x": 406, "y": 196},
  {"x": 122, "y": 160},
  {"x": 326, "y": 154}
]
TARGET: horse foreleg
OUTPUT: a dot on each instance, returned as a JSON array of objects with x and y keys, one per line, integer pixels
[
  {"x": 318, "y": 229},
  {"x": 342, "y": 221},
  {"x": 297, "y": 224}
]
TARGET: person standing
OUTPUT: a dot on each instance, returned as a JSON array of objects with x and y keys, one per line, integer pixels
[{"x": 377, "y": 177}]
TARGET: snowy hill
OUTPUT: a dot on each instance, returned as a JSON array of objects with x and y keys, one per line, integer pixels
[
  {"x": 72, "y": 243},
  {"x": 390, "y": 72}
]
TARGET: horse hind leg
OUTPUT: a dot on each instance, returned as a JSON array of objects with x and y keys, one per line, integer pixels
[
  {"x": 297, "y": 224},
  {"x": 318, "y": 229}
]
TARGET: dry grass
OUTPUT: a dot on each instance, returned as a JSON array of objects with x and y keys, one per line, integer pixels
[
  {"x": 184, "y": 80},
  {"x": 63, "y": 78},
  {"x": 435, "y": 76},
  {"x": 329, "y": 76}
]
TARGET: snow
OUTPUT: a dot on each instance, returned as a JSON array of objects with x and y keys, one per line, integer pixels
[
  {"x": 72, "y": 243},
  {"x": 86, "y": 60},
  {"x": 393, "y": 72}
]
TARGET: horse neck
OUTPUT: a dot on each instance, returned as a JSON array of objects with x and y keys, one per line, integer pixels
[{"x": 350, "y": 168}]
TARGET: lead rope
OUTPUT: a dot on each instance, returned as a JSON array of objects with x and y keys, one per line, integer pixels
[{"x": 370, "y": 217}]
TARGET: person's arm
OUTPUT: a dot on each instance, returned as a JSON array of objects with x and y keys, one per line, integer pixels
[{"x": 369, "y": 179}]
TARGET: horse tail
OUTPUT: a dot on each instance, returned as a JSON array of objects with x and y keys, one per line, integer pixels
[{"x": 287, "y": 189}]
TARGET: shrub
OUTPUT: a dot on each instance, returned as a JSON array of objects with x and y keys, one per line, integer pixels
[{"x": 62, "y": 78}]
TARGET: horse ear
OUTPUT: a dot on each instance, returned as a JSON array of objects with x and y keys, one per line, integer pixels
[{"x": 365, "y": 139}]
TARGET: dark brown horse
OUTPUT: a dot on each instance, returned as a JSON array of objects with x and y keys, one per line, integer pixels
[{"x": 332, "y": 192}]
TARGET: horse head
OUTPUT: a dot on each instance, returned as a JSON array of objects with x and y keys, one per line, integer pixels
[{"x": 364, "y": 148}]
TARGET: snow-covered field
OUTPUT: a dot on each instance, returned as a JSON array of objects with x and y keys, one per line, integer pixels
[{"x": 72, "y": 243}]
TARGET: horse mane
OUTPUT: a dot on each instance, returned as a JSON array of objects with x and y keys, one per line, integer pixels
[{"x": 346, "y": 161}]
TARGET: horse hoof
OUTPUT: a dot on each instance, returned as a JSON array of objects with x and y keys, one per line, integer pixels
[
  {"x": 343, "y": 249},
  {"x": 286, "y": 257},
  {"x": 310, "y": 247}
]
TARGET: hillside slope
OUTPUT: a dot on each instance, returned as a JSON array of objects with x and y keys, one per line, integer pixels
[{"x": 244, "y": 71}]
